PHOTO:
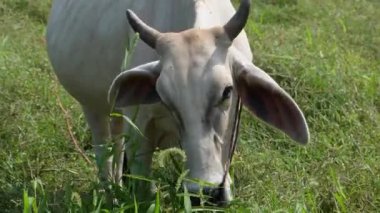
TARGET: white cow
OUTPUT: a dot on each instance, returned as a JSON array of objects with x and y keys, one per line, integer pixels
[{"x": 187, "y": 98}]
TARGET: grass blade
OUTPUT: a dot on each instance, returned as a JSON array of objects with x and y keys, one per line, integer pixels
[
  {"x": 129, "y": 121},
  {"x": 186, "y": 201},
  {"x": 26, "y": 202},
  {"x": 157, "y": 204}
]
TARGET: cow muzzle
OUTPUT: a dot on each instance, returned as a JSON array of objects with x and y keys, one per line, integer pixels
[{"x": 219, "y": 195}]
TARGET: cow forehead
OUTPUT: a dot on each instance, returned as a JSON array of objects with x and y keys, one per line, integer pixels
[
  {"x": 193, "y": 67},
  {"x": 189, "y": 56},
  {"x": 194, "y": 50},
  {"x": 189, "y": 43}
]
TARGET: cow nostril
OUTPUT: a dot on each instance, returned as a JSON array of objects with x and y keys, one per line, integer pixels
[
  {"x": 213, "y": 196},
  {"x": 195, "y": 201},
  {"x": 218, "y": 196}
]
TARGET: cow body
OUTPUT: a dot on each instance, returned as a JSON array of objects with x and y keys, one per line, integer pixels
[
  {"x": 86, "y": 45},
  {"x": 87, "y": 42},
  {"x": 87, "y": 39}
]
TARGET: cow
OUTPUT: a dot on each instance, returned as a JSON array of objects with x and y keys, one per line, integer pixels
[{"x": 188, "y": 76}]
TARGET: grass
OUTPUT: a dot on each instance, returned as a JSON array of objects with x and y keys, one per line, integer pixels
[{"x": 326, "y": 54}]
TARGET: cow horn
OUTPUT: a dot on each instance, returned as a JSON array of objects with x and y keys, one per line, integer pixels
[
  {"x": 236, "y": 24},
  {"x": 147, "y": 33}
]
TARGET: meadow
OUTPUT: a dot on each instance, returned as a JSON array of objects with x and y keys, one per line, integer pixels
[{"x": 325, "y": 53}]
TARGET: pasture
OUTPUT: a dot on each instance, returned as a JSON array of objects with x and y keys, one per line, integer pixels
[{"x": 325, "y": 53}]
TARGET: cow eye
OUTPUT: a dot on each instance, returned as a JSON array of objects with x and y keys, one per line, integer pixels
[{"x": 227, "y": 93}]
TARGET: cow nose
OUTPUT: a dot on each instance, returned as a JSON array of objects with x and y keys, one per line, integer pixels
[{"x": 219, "y": 196}]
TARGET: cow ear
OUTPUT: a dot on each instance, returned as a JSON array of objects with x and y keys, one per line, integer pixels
[
  {"x": 269, "y": 102},
  {"x": 135, "y": 86}
]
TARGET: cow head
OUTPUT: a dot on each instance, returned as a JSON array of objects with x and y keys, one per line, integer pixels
[{"x": 197, "y": 77}]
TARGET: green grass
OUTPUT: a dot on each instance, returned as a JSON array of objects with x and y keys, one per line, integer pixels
[{"x": 325, "y": 53}]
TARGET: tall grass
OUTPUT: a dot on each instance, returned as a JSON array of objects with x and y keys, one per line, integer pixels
[{"x": 324, "y": 53}]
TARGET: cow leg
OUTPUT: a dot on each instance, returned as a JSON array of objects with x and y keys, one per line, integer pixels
[
  {"x": 139, "y": 155},
  {"x": 118, "y": 147},
  {"x": 101, "y": 132}
]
